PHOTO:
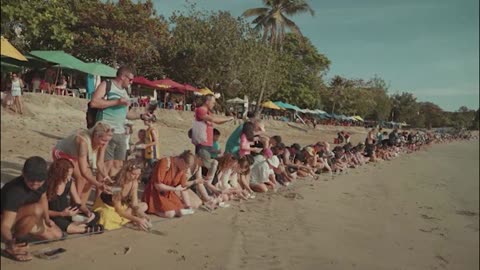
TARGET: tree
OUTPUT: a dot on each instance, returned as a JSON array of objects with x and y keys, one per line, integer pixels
[
  {"x": 406, "y": 109},
  {"x": 304, "y": 68},
  {"x": 273, "y": 18},
  {"x": 38, "y": 24},
  {"x": 118, "y": 33},
  {"x": 434, "y": 116}
]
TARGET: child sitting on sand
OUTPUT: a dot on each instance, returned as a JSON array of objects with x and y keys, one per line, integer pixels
[
  {"x": 227, "y": 175},
  {"x": 216, "y": 150},
  {"x": 152, "y": 148}
]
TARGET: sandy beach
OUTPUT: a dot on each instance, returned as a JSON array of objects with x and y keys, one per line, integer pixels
[{"x": 419, "y": 211}]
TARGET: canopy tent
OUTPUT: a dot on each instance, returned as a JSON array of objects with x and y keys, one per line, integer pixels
[
  {"x": 317, "y": 111},
  {"x": 169, "y": 84},
  {"x": 190, "y": 88},
  {"x": 8, "y": 50},
  {"x": 7, "y": 67},
  {"x": 236, "y": 100},
  {"x": 100, "y": 69},
  {"x": 287, "y": 106},
  {"x": 351, "y": 118},
  {"x": 204, "y": 91},
  {"x": 62, "y": 59},
  {"x": 271, "y": 105},
  {"x": 358, "y": 118},
  {"x": 145, "y": 82}
]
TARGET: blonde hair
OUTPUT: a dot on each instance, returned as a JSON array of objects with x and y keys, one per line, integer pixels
[
  {"x": 100, "y": 128},
  {"x": 187, "y": 157},
  {"x": 128, "y": 166}
]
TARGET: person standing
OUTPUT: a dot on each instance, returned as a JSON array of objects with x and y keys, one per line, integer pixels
[
  {"x": 113, "y": 110},
  {"x": 17, "y": 85},
  {"x": 202, "y": 132}
]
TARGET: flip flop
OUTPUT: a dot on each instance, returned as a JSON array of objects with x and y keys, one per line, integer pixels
[
  {"x": 17, "y": 256},
  {"x": 94, "y": 229}
]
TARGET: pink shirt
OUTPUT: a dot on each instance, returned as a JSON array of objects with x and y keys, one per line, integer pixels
[
  {"x": 244, "y": 146},
  {"x": 200, "y": 112}
]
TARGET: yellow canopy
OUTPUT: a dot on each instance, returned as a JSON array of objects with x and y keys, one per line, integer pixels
[
  {"x": 205, "y": 91},
  {"x": 8, "y": 50},
  {"x": 271, "y": 105},
  {"x": 358, "y": 118}
]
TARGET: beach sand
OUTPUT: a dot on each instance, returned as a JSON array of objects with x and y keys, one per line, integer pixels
[{"x": 419, "y": 211}]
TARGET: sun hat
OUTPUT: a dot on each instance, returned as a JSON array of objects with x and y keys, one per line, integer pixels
[
  {"x": 310, "y": 151},
  {"x": 274, "y": 161}
]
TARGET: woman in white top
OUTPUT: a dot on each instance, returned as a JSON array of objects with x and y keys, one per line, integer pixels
[
  {"x": 86, "y": 150},
  {"x": 16, "y": 90}
]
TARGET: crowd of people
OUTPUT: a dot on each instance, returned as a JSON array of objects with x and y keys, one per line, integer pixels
[{"x": 50, "y": 202}]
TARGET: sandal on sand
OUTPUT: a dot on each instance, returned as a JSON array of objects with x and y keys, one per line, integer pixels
[
  {"x": 94, "y": 229},
  {"x": 21, "y": 254}
]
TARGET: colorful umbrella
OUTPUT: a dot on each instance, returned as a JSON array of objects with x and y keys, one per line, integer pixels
[
  {"x": 271, "y": 105},
  {"x": 188, "y": 87},
  {"x": 169, "y": 84},
  {"x": 145, "y": 82},
  {"x": 205, "y": 91},
  {"x": 8, "y": 50}
]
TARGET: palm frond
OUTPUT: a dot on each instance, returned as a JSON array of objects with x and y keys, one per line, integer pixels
[
  {"x": 255, "y": 12},
  {"x": 297, "y": 8},
  {"x": 291, "y": 25}
]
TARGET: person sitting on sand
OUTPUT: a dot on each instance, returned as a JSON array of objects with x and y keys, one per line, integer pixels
[
  {"x": 24, "y": 210},
  {"x": 123, "y": 206},
  {"x": 216, "y": 149},
  {"x": 86, "y": 150},
  {"x": 227, "y": 175},
  {"x": 168, "y": 178},
  {"x": 339, "y": 163},
  {"x": 262, "y": 175},
  {"x": 283, "y": 176},
  {"x": 247, "y": 139},
  {"x": 59, "y": 186}
]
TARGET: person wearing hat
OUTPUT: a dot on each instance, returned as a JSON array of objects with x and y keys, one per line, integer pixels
[{"x": 24, "y": 210}]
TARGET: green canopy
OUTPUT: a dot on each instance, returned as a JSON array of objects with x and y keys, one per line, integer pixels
[
  {"x": 7, "y": 67},
  {"x": 101, "y": 69},
  {"x": 65, "y": 60}
]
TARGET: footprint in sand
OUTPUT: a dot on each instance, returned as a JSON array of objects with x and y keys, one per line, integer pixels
[
  {"x": 172, "y": 251},
  {"x": 429, "y": 217},
  {"x": 293, "y": 196},
  {"x": 466, "y": 213}
]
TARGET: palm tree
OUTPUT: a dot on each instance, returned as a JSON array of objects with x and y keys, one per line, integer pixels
[{"x": 273, "y": 18}]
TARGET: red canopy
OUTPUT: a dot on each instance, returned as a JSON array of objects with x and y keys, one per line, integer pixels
[
  {"x": 188, "y": 87},
  {"x": 145, "y": 82},
  {"x": 169, "y": 84}
]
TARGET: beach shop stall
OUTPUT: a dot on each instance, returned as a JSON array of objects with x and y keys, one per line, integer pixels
[{"x": 84, "y": 77}]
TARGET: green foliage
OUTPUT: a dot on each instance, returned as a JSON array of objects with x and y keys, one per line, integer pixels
[
  {"x": 45, "y": 25},
  {"x": 216, "y": 50},
  {"x": 120, "y": 33}
]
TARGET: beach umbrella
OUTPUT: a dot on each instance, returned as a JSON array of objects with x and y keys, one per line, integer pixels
[
  {"x": 8, "y": 50},
  {"x": 190, "y": 88},
  {"x": 359, "y": 118},
  {"x": 236, "y": 100},
  {"x": 320, "y": 112},
  {"x": 169, "y": 84},
  {"x": 271, "y": 105},
  {"x": 204, "y": 91},
  {"x": 144, "y": 82}
]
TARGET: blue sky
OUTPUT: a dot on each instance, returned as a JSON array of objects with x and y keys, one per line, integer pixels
[{"x": 426, "y": 47}]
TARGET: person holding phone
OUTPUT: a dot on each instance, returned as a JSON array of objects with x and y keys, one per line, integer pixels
[
  {"x": 59, "y": 186},
  {"x": 122, "y": 206},
  {"x": 167, "y": 182},
  {"x": 24, "y": 210}
]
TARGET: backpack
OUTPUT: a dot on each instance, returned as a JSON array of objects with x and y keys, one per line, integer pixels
[{"x": 91, "y": 115}]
